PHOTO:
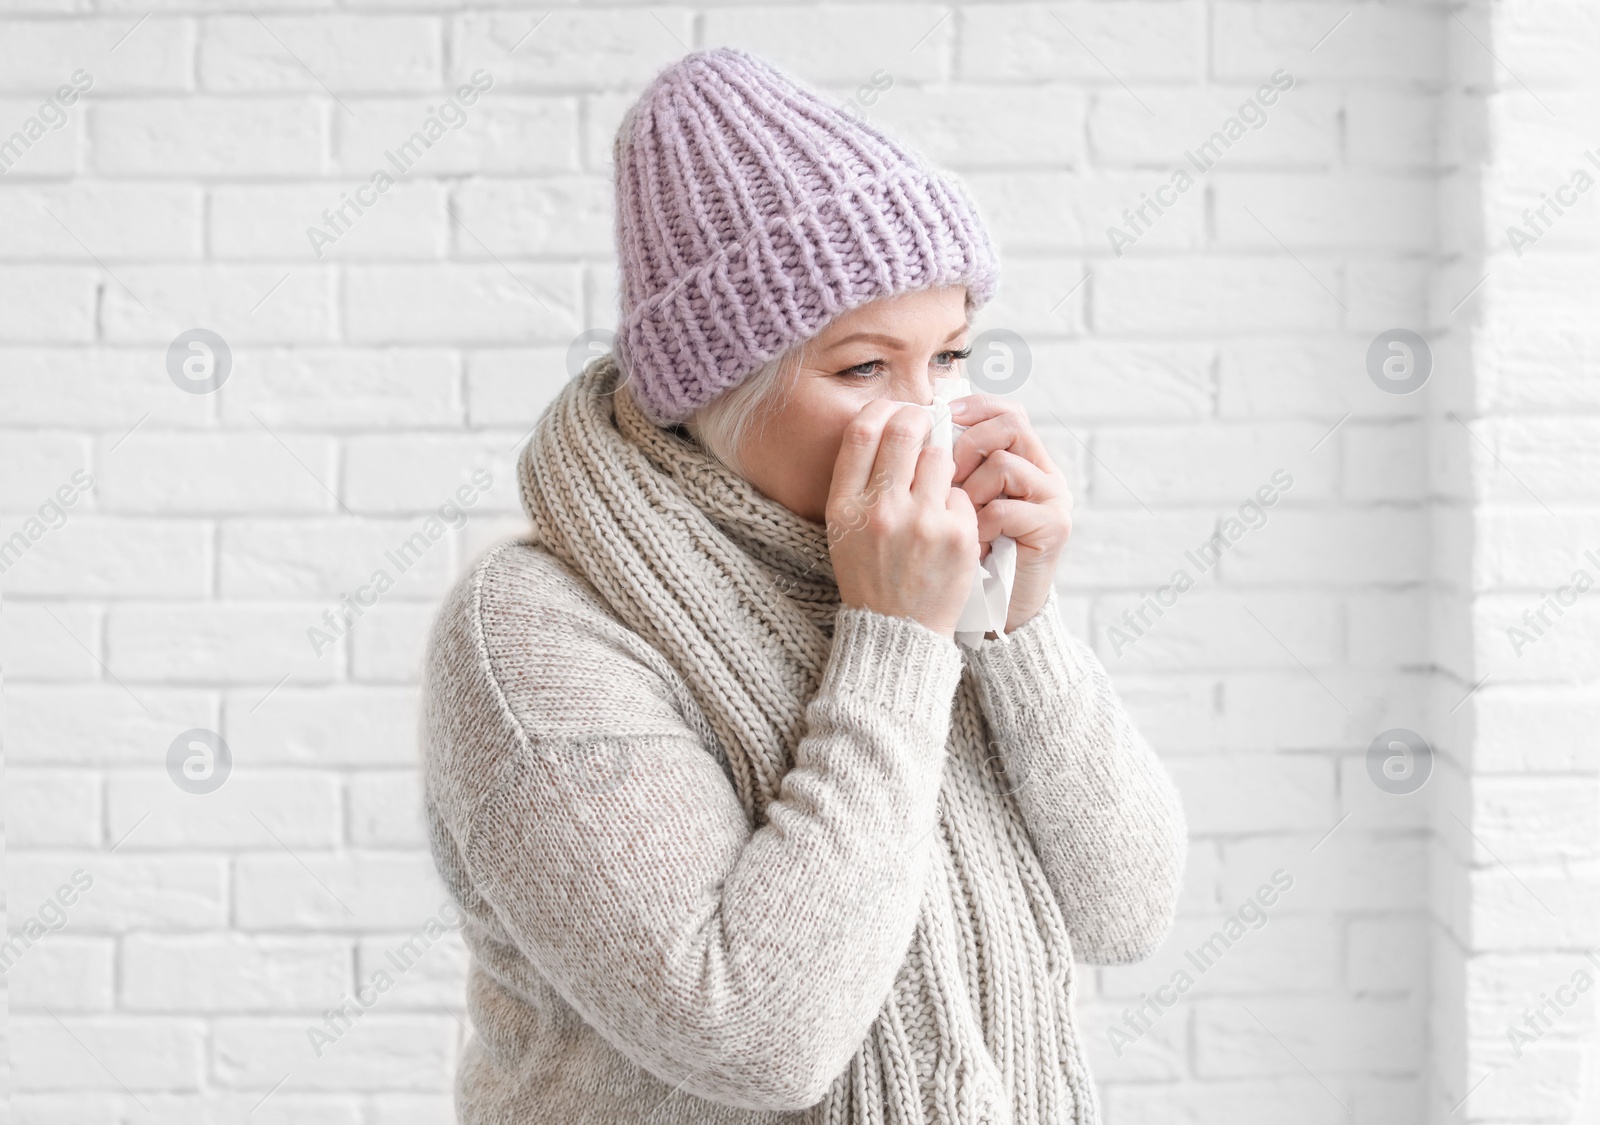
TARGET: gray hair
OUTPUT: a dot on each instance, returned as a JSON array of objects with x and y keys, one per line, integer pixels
[{"x": 724, "y": 424}]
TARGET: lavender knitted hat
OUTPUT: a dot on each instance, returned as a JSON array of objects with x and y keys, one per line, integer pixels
[{"x": 750, "y": 212}]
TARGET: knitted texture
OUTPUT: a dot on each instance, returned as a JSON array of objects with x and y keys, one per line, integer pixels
[
  {"x": 750, "y": 211},
  {"x": 731, "y": 852}
]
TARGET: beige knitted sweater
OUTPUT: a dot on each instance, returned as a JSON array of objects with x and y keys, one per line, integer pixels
[{"x": 660, "y": 936}]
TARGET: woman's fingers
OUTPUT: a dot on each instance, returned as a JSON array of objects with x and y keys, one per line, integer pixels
[
  {"x": 858, "y": 452},
  {"x": 899, "y": 448},
  {"x": 994, "y": 423},
  {"x": 1035, "y": 527},
  {"x": 1004, "y": 473}
]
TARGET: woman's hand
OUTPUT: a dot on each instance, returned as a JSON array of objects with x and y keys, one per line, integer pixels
[
  {"x": 903, "y": 541},
  {"x": 1017, "y": 490}
]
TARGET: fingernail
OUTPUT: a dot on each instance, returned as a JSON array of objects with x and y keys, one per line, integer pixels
[{"x": 957, "y": 407}]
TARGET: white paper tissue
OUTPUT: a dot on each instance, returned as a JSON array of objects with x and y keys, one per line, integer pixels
[{"x": 990, "y": 598}]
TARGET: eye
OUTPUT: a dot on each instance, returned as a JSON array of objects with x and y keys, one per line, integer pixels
[
  {"x": 867, "y": 370},
  {"x": 948, "y": 359}
]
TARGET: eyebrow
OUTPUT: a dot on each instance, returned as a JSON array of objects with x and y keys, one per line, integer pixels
[{"x": 889, "y": 341}]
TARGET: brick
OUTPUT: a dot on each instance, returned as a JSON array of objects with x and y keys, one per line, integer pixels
[
  {"x": 1039, "y": 298},
  {"x": 1376, "y": 808},
  {"x": 1401, "y": 46},
  {"x": 316, "y": 388},
  {"x": 242, "y": 472},
  {"x": 91, "y": 221},
  {"x": 1382, "y": 462},
  {"x": 35, "y": 466},
  {"x": 41, "y": 55},
  {"x": 340, "y": 893},
  {"x": 1224, "y": 464},
  {"x": 386, "y": 810},
  {"x": 841, "y": 44},
  {"x": 1534, "y": 728},
  {"x": 501, "y": 132},
  {"x": 325, "y": 727},
  {"x": 325, "y": 559},
  {"x": 1322, "y": 212},
  {"x": 252, "y": 809},
  {"x": 58, "y": 152},
  {"x": 1516, "y": 820},
  {"x": 1175, "y": 714},
  {"x": 1303, "y": 1098},
  {"x": 1157, "y": 1055},
  {"x": 1121, "y": 549},
  {"x": 207, "y": 643},
  {"x": 383, "y": 1051},
  {"x": 1503, "y": 988},
  {"x": 46, "y": 808},
  {"x": 1089, "y": 381},
  {"x": 1300, "y": 127},
  {"x": 408, "y": 1109},
  {"x": 1269, "y": 1036},
  {"x": 617, "y": 47},
  {"x": 1335, "y": 548},
  {"x": 311, "y": 54},
  {"x": 148, "y": 1054},
  {"x": 128, "y": 892},
  {"x": 47, "y": 304},
  {"x": 1544, "y": 645},
  {"x": 113, "y": 388},
  {"x": 97, "y": 556},
  {"x": 1384, "y": 291},
  {"x": 980, "y": 128},
  {"x": 345, "y": 220},
  {"x": 64, "y": 973},
  {"x": 1031, "y": 211},
  {"x": 1386, "y": 628},
  {"x": 427, "y": 974},
  {"x": 1140, "y": 294},
  {"x": 50, "y": 642},
  {"x": 210, "y": 137},
  {"x": 1321, "y": 377},
  {"x": 1533, "y": 908},
  {"x": 1560, "y": 36},
  {"x": 461, "y": 304},
  {"x": 1386, "y": 954},
  {"x": 1214, "y": 626},
  {"x": 245, "y": 304},
  {"x": 228, "y": 972},
  {"x": 1274, "y": 956},
  {"x": 1234, "y": 793},
  {"x": 279, "y": 1107},
  {"x": 420, "y": 474},
  {"x": 1337, "y": 876},
  {"x": 512, "y": 386},
  {"x": 556, "y": 216},
  {"x": 1390, "y": 129},
  {"x": 1339, "y": 708},
  {"x": 1082, "y": 41},
  {"x": 98, "y": 724},
  {"x": 390, "y": 646}
]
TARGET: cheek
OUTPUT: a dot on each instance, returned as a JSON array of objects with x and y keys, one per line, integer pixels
[{"x": 803, "y": 445}]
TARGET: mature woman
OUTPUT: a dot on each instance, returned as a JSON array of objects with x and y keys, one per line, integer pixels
[{"x": 742, "y": 834}]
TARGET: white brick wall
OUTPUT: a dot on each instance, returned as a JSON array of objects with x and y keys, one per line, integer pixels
[{"x": 1229, "y": 342}]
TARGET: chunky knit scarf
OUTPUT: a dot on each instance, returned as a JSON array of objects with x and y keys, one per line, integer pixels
[{"x": 739, "y": 594}]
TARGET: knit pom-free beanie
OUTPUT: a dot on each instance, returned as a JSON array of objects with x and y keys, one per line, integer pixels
[{"x": 750, "y": 212}]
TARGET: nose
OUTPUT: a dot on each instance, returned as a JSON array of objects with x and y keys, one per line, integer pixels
[{"x": 920, "y": 390}]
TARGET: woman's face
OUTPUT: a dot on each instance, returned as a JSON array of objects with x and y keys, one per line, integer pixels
[{"x": 891, "y": 348}]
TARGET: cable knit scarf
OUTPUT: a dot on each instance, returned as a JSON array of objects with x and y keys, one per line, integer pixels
[{"x": 738, "y": 593}]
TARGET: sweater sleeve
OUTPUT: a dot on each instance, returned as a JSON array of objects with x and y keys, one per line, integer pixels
[
  {"x": 606, "y": 839},
  {"x": 1104, "y": 815}
]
